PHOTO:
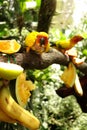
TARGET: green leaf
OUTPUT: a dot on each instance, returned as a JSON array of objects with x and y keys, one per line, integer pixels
[{"x": 38, "y": 3}]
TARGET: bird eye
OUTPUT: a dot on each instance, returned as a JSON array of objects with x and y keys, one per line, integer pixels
[{"x": 42, "y": 41}]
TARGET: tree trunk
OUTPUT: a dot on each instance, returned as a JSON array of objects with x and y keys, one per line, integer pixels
[{"x": 46, "y": 13}]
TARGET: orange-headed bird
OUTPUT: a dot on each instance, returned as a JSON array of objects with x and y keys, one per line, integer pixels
[
  {"x": 37, "y": 41},
  {"x": 64, "y": 45}
]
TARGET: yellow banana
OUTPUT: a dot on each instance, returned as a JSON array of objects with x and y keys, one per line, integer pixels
[
  {"x": 6, "y": 118},
  {"x": 15, "y": 111}
]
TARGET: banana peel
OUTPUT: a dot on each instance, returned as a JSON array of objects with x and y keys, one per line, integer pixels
[
  {"x": 72, "y": 52},
  {"x": 23, "y": 88},
  {"x": 71, "y": 79},
  {"x": 13, "y": 110},
  {"x": 5, "y": 118},
  {"x": 77, "y": 86},
  {"x": 69, "y": 75}
]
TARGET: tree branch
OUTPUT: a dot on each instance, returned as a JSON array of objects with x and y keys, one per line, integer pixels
[{"x": 32, "y": 60}]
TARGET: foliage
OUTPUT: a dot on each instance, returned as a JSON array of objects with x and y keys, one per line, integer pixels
[
  {"x": 59, "y": 114},
  {"x": 81, "y": 29},
  {"x": 12, "y": 22},
  {"x": 53, "y": 111}
]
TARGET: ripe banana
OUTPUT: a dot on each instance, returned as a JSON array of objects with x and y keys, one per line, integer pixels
[
  {"x": 6, "y": 118},
  {"x": 15, "y": 111}
]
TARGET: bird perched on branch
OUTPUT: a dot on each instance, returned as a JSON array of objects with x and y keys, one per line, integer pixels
[
  {"x": 64, "y": 45},
  {"x": 37, "y": 41}
]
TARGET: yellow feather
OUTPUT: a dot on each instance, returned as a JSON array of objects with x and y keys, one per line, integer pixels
[{"x": 69, "y": 43}]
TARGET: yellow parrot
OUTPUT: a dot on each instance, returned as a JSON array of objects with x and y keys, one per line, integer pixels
[
  {"x": 64, "y": 45},
  {"x": 37, "y": 41}
]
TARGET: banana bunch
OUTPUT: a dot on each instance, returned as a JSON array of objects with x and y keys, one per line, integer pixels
[
  {"x": 5, "y": 118},
  {"x": 12, "y": 112}
]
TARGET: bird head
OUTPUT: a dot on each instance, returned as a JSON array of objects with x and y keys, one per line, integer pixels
[
  {"x": 76, "y": 39},
  {"x": 41, "y": 43}
]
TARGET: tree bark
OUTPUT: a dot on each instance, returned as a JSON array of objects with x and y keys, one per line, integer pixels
[
  {"x": 46, "y": 12},
  {"x": 32, "y": 60}
]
